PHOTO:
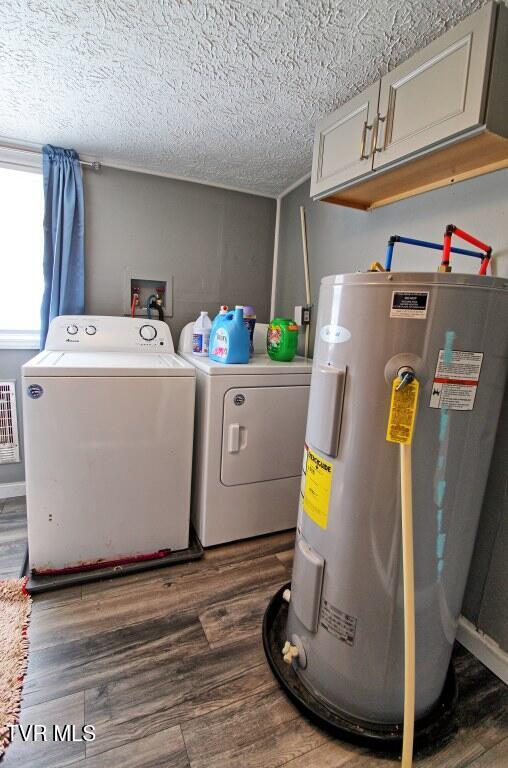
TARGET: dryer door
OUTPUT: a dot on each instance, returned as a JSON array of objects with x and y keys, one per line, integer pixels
[{"x": 263, "y": 433}]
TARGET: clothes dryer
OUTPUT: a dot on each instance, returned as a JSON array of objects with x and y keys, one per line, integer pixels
[{"x": 249, "y": 442}]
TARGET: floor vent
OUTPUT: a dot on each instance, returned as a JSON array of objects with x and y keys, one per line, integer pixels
[{"x": 9, "y": 438}]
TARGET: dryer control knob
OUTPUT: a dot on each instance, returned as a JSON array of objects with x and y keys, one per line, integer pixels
[
  {"x": 91, "y": 330},
  {"x": 72, "y": 330},
  {"x": 148, "y": 332}
]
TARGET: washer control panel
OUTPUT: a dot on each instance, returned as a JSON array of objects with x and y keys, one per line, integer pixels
[{"x": 117, "y": 334}]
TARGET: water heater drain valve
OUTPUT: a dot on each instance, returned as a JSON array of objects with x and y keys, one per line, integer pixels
[
  {"x": 294, "y": 651},
  {"x": 289, "y": 652}
]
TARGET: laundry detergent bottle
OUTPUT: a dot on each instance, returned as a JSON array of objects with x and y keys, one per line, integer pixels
[
  {"x": 230, "y": 340},
  {"x": 282, "y": 339},
  {"x": 222, "y": 311},
  {"x": 201, "y": 334},
  {"x": 249, "y": 319}
]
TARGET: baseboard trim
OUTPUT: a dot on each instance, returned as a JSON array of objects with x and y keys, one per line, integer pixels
[
  {"x": 10, "y": 490},
  {"x": 484, "y": 648}
]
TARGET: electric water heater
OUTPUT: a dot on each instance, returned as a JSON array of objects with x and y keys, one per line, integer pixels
[{"x": 345, "y": 614}]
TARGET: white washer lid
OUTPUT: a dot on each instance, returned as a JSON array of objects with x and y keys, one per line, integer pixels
[
  {"x": 259, "y": 363},
  {"x": 106, "y": 364}
]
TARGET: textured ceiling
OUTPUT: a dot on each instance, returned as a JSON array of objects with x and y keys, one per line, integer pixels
[{"x": 225, "y": 91}]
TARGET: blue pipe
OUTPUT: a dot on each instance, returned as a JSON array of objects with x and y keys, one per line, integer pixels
[
  {"x": 424, "y": 244},
  {"x": 151, "y": 298},
  {"x": 389, "y": 254},
  {"x": 439, "y": 246}
]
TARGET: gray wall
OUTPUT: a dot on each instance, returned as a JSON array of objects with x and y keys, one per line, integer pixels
[
  {"x": 11, "y": 361},
  {"x": 486, "y": 601},
  {"x": 345, "y": 240},
  {"x": 218, "y": 245}
]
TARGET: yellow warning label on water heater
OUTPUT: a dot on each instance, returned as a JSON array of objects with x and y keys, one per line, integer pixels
[
  {"x": 401, "y": 420},
  {"x": 318, "y": 484}
]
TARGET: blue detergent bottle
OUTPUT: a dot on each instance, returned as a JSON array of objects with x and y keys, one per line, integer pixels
[
  {"x": 230, "y": 339},
  {"x": 224, "y": 309}
]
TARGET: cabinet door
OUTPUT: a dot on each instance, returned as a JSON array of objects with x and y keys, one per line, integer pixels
[
  {"x": 343, "y": 142},
  {"x": 436, "y": 94}
]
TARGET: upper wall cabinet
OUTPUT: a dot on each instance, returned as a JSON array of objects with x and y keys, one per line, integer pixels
[{"x": 438, "y": 118}]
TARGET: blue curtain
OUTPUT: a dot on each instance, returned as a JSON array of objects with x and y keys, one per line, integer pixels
[{"x": 64, "y": 232}]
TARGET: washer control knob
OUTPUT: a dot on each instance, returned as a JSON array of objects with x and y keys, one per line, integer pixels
[
  {"x": 91, "y": 330},
  {"x": 72, "y": 330},
  {"x": 148, "y": 332}
]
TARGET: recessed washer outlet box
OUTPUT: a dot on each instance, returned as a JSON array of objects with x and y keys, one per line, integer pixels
[{"x": 145, "y": 284}]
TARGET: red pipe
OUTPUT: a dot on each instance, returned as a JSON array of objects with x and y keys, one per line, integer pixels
[
  {"x": 447, "y": 244},
  {"x": 135, "y": 299},
  {"x": 483, "y": 266},
  {"x": 470, "y": 239},
  {"x": 451, "y": 229}
]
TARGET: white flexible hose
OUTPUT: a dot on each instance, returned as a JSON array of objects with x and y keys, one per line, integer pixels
[{"x": 409, "y": 604}]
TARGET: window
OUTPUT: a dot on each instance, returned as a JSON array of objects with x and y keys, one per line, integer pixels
[{"x": 21, "y": 254}]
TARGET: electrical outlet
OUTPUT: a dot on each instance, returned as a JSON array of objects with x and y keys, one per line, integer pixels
[{"x": 303, "y": 314}]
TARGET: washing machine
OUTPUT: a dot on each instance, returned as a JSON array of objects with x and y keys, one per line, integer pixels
[
  {"x": 249, "y": 441},
  {"x": 108, "y": 413}
]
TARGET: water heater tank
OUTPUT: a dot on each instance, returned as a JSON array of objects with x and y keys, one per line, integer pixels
[{"x": 346, "y": 609}]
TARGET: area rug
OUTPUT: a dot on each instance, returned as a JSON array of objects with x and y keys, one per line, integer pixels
[{"x": 15, "y": 606}]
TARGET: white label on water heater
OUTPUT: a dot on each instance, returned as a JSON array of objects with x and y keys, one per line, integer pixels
[
  {"x": 409, "y": 304},
  {"x": 456, "y": 380},
  {"x": 334, "y": 334},
  {"x": 338, "y": 623}
]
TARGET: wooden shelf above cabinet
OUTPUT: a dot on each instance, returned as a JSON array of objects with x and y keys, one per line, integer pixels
[{"x": 470, "y": 157}]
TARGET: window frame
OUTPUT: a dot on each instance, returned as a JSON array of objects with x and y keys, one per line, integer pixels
[
  {"x": 13, "y": 339},
  {"x": 19, "y": 339}
]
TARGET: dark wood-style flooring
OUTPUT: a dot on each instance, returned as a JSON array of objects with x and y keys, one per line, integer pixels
[{"x": 168, "y": 666}]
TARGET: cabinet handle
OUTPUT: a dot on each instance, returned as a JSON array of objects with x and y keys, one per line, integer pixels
[
  {"x": 374, "y": 147},
  {"x": 366, "y": 128}
]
